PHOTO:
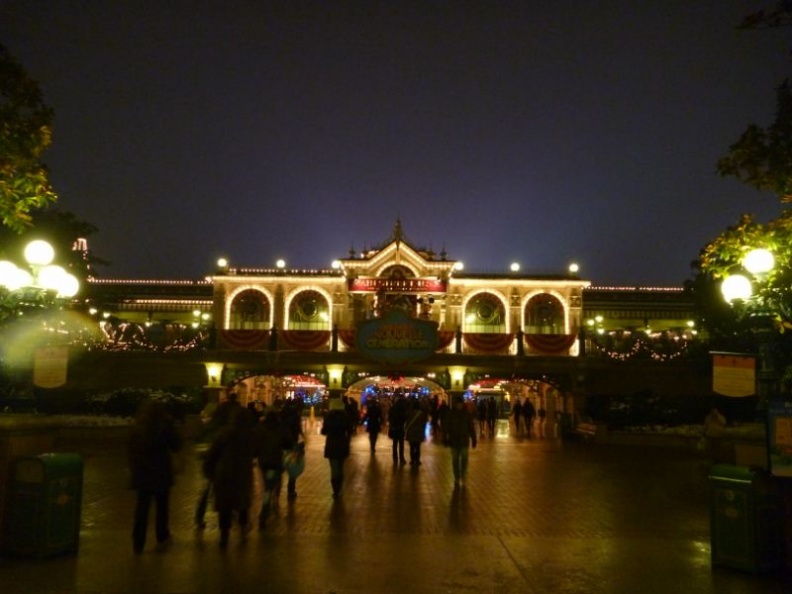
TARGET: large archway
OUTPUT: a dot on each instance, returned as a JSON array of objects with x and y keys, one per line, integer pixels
[
  {"x": 270, "y": 389},
  {"x": 543, "y": 394},
  {"x": 379, "y": 386}
]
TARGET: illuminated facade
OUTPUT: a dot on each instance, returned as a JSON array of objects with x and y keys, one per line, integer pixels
[
  {"x": 484, "y": 314},
  {"x": 398, "y": 313}
]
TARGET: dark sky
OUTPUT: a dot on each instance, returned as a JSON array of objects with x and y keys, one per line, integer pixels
[{"x": 538, "y": 132}]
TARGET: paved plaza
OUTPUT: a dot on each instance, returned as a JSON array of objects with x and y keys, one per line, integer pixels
[{"x": 535, "y": 516}]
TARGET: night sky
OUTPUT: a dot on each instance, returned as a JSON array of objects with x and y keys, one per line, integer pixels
[{"x": 536, "y": 132}]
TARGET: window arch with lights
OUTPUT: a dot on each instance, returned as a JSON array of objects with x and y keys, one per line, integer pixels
[
  {"x": 544, "y": 314},
  {"x": 485, "y": 313},
  {"x": 250, "y": 310},
  {"x": 309, "y": 310}
]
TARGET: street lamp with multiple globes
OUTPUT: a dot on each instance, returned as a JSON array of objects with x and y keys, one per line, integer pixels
[
  {"x": 41, "y": 282},
  {"x": 738, "y": 290}
]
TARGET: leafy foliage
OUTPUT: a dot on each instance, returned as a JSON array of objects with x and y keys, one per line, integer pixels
[
  {"x": 779, "y": 16},
  {"x": 25, "y": 133},
  {"x": 724, "y": 256},
  {"x": 762, "y": 157}
]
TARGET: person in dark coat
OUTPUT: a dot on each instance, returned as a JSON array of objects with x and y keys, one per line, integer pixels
[
  {"x": 271, "y": 441},
  {"x": 373, "y": 421},
  {"x": 459, "y": 432},
  {"x": 415, "y": 431},
  {"x": 291, "y": 417},
  {"x": 529, "y": 412},
  {"x": 338, "y": 430},
  {"x": 517, "y": 411},
  {"x": 397, "y": 417},
  {"x": 154, "y": 437},
  {"x": 492, "y": 415},
  {"x": 213, "y": 423},
  {"x": 353, "y": 410},
  {"x": 229, "y": 465},
  {"x": 481, "y": 409}
]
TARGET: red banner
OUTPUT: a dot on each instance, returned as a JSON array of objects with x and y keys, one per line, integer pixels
[
  {"x": 550, "y": 344},
  {"x": 488, "y": 343},
  {"x": 244, "y": 340},
  {"x": 348, "y": 338},
  {"x": 303, "y": 340},
  {"x": 445, "y": 338},
  {"x": 397, "y": 285}
]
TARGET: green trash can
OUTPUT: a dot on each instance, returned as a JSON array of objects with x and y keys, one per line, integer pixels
[
  {"x": 745, "y": 518},
  {"x": 44, "y": 505}
]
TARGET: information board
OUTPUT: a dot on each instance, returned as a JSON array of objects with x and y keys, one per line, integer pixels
[
  {"x": 733, "y": 374},
  {"x": 779, "y": 425}
]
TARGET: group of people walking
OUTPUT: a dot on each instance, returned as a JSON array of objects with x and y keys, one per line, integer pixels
[
  {"x": 240, "y": 438},
  {"x": 407, "y": 421},
  {"x": 525, "y": 416}
]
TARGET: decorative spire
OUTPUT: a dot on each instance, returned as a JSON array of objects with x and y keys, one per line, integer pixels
[{"x": 398, "y": 233}]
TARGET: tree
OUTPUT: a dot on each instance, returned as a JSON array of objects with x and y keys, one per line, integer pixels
[
  {"x": 779, "y": 16},
  {"x": 25, "y": 133},
  {"x": 725, "y": 254},
  {"x": 762, "y": 157}
]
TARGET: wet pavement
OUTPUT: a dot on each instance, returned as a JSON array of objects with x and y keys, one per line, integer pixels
[{"x": 535, "y": 516}]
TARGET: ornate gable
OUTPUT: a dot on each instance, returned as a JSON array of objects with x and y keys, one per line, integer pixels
[{"x": 398, "y": 253}]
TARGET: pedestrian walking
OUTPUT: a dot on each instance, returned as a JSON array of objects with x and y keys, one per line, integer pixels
[
  {"x": 338, "y": 430},
  {"x": 229, "y": 465},
  {"x": 517, "y": 415},
  {"x": 153, "y": 440},
  {"x": 397, "y": 417},
  {"x": 214, "y": 418},
  {"x": 271, "y": 440},
  {"x": 541, "y": 422},
  {"x": 434, "y": 406},
  {"x": 529, "y": 412},
  {"x": 373, "y": 420},
  {"x": 442, "y": 411},
  {"x": 353, "y": 411},
  {"x": 459, "y": 433},
  {"x": 492, "y": 415},
  {"x": 415, "y": 431},
  {"x": 294, "y": 459},
  {"x": 481, "y": 411}
]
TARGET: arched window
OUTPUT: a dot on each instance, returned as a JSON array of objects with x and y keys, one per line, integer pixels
[
  {"x": 544, "y": 314},
  {"x": 309, "y": 310},
  {"x": 485, "y": 313},
  {"x": 250, "y": 310}
]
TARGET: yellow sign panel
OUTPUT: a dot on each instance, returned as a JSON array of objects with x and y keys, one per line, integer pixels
[
  {"x": 734, "y": 375},
  {"x": 49, "y": 366}
]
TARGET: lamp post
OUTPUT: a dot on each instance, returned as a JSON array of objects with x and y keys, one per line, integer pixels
[
  {"x": 39, "y": 283},
  {"x": 738, "y": 290}
]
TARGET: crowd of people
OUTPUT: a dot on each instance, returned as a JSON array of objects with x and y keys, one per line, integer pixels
[{"x": 240, "y": 439}]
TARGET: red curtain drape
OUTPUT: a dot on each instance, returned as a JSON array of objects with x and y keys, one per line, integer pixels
[
  {"x": 244, "y": 340},
  {"x": 304, "y": 340},
  {"x": 550, "y": 344},
  {"x": 488, "y": 343},
  {"x": 348, "y": 338},
  {"x": 445, "y": 338}
]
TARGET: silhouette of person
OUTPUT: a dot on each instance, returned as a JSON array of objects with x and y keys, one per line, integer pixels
[
  {"x": 459, "y": 433},
  {"x": 338, "y": 430},
  {"x": 152, "y": 440}
]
